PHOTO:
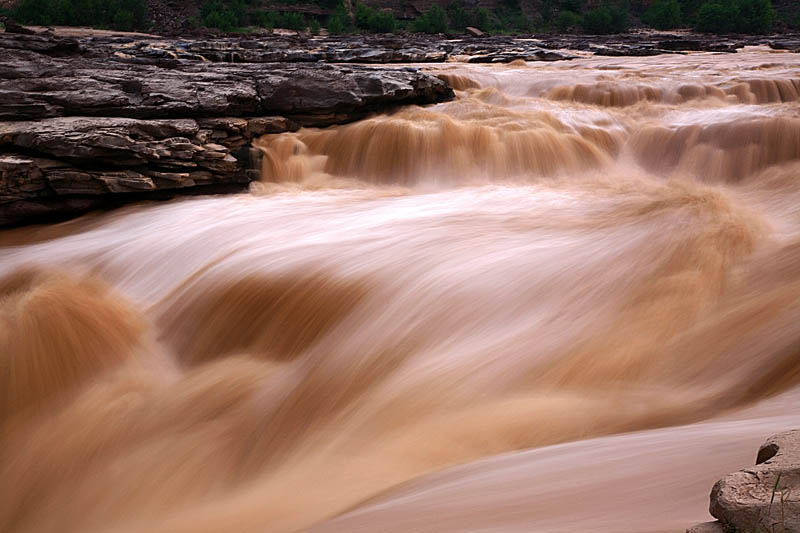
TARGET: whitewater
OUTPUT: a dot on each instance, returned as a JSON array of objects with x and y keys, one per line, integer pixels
[{"x": 567, "y": 300}]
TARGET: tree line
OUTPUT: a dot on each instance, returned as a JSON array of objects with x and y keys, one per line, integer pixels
[{"x": 613, "y": 16}]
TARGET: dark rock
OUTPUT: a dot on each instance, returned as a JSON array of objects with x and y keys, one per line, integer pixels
[
  {"x": 13, "y": 27},
  {"x": 36, "y": 86},
  {"x": 95, "y": 122}
]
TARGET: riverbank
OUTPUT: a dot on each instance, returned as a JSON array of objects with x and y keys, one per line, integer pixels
[{"x": 97, "y": 120}]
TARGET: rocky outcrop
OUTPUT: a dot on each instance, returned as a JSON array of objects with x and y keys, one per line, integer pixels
[
  {"x": 765, "y": 497},
  {"x": 70, "y": 157},
  {"x": 86, "y": 124}
]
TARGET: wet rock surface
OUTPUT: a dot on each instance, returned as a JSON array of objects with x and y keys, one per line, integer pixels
[
  {"x": 83, "y": 122},
  {"x": 79, "y": 117},
  {"x": 765, "y": 497}
]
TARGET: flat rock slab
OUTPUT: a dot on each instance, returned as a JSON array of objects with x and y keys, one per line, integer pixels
[
  {"x": 35, "y": 85},
  {"x": 83, "y": 124}
]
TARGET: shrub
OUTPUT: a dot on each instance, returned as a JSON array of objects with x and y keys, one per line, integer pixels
[
  {"x": 118, "y": 14},
  {"x": 606, "y": 19},
  {"x": 755, "y": 16},
  {"x": 481, "y": 18},
  {"x": 743, "y": 16},
  {"x": 373, "y": 20},
  {"x": 714, "y": 17},
  {"x": 458, "y": 16},
  {"x": 293, "y": 21},
  {"x": 222, "y": 16},
  {"x": 339, "y": 22},
  {"x": 314, "y": 27},
  {"x": 512, "y": 19},
  {"x": 433, "y": 20},
  {"x": 567, "y": 20},
  {"x": 663, "y": 15}
]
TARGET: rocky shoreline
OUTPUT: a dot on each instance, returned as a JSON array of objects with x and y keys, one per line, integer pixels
[
  {"x": 84, "y": 124},
  {"x": 98, "y": 120},
  {"x": 765, "y": 497}
]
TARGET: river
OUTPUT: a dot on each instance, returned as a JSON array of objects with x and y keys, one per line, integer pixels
[{"x": 575, "y": 288}]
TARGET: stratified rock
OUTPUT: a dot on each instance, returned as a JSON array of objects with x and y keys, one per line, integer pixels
[
  {"x": 765, "y": 497},
  {"x": 34, "y": 86},
  {"x": 88, "y": 124},
  {"x": 42, "y": 162}
]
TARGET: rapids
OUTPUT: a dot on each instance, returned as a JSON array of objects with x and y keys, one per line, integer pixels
[{"x": 578, "y": 280}]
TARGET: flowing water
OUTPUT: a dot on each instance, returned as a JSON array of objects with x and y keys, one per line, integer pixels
[{"x": 595, "y": 255}]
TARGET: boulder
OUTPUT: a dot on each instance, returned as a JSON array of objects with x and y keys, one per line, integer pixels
[
  {"x": 474, "y": 32},
  {"x": 765, "y": 497}
]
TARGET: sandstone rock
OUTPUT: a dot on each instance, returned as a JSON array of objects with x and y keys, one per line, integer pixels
[
  {"x": 765, "y": 497},
  {"x": 707, "y": 527},
  {"x": 46, "y": 160},
  {"x": 474, "y": 32},
  {"x": 33, "y": 87},
  {"x": 92, "y": 123}
]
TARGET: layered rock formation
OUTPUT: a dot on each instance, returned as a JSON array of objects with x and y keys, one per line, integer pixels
[
  {"x": 765, "y": 497},
  {"x": 87, "y": 124}
]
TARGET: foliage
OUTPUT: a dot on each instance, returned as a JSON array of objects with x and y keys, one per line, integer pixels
[
  {"x": 568, "y": 20},
  {"x": 124, "y": 15},
  {"x": 225, "y": 16},
  {"x": 606, "y": 19},
  {"x": 742, "y": 16},
  {"x": 755, "y": 16},
  {"x": 374, "y": 20},
  {"x": 339, "y": 22},
  {"x": 460, "y": 18},
  {"x": 576, "y": 6},
  {"x": 314, "y": 27},
  {"x": 433, "y": 20},
  {"x": 511, "y": 18},
  {"x": 274, "y": 19},
  {"x": 663, "y": 15}
]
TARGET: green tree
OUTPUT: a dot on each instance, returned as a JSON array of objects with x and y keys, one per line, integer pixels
[
  {"x": 755, "y": 16},
  {"x": 716, "y": 17},
  {"x": 663, "y": 15},
  {"x": 606, "y": 19},
  {"x": 339, "y": 22},
  {"x": 433, "y": 20},
  {"x": 119, "y": 14},
  {"x": 568, "y": 20},
  {"x": 374, "y": 20}
]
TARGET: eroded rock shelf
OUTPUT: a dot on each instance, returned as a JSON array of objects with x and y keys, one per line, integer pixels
[{"x": 85, "y": 125}]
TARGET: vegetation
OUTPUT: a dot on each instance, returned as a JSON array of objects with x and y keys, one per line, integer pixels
[
  {"x": 614, "y": 16},
  {"x": 608, "y": 18},
  {"x": 663, "y": 15},
  {"x": 339, "y": 22},
  {"x": 374, "y": 20},
  {"x": 568, "y": 21},
  {"x": 740, "y": 16},
  {"x": 460, "y": 18},
  {"x": 433, "y": 20},
  {"x": 127, "y": 15}
]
